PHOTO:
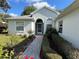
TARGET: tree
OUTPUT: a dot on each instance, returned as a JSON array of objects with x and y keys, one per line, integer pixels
[
  {"x": 4, "y": 5},
  {"x": 28, "y": 10}
]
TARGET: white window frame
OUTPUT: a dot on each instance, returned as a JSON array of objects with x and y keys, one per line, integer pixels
[
  {"x": 18, "y": 25},
  {"x": 60, "y": 26}
]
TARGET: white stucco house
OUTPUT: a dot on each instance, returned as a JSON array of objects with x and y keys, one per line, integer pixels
[
  {"x": 37, "y": 22},
  {"x": 67, "y": 23}
]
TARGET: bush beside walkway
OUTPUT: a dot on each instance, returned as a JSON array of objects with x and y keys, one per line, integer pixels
[
  {"x": 47, "y": 52},
  {"x": 62, "y": 46}
]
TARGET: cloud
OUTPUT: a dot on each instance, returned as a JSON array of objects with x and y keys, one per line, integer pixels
[
  {"x": 12, "y": 14},
  {"x": 42, "y": 4},
  {"x": 29, "y": 1},
  {"x": 33, "y": 0}
]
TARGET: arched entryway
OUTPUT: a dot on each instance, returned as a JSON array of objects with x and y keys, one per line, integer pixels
[{"x": 39, "y": 27}]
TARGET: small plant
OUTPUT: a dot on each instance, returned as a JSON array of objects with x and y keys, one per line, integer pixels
[
  {"x": 30, "y": 32},
  {"x": 31, "y": 37},
  {"x": 13, "y": 40},
  {"x": 51, "y": 31},
  {"x": 24, "y": 36},
  {"x": 8, "y": 53}
]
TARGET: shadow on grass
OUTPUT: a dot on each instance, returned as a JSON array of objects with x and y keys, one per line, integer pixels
[{"x": 23, "y": 45}]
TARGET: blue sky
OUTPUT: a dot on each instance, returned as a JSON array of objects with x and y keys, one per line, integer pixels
[{"x": 17, "y": 6}]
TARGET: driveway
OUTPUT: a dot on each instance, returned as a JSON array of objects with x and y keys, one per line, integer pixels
[{"x": 33, "y": 50}]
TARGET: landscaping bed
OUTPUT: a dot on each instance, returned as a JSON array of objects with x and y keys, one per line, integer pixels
[
  {"x": 23, "y": 44},
  {"x": 12, "y": 45},
  {"x": 62, "y": 46},
  {"x": 47, "y": 52}
]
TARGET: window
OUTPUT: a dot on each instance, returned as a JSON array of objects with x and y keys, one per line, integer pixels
[
  {"x": 49, "y": 26},
  {"x": 19, "y": 26},
  {"x": 60, "y": 26}
]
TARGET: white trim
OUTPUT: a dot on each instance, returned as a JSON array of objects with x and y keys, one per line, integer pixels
[{"x": 27, "y": 18}]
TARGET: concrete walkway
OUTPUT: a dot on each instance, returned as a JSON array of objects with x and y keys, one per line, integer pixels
[{"x": 33, "y": 50}]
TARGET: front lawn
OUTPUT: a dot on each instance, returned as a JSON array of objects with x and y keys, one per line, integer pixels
[
  {"x": 1, "y": 19},
  {"x": 9, "y": 40}
]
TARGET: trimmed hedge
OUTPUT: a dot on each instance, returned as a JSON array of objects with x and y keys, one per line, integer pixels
[
  {"x": 47, "y": 52},
  {"x": 62, "y": 46}
]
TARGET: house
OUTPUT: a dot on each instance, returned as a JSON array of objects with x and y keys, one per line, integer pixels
[
  {"x": 37, "y": 22},
  {"x": 67, "y": 23}
]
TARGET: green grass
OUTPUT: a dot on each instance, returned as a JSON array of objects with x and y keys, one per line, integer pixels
[
  {"x": 6, "y": 39},
  {"x": 1, "y": 19},
  {"x": 1, "y": 50},
  {"x": 54, "y": 56}
]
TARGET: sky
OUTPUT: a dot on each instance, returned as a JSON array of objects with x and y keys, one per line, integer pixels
[{"x": 17, "y": 6}]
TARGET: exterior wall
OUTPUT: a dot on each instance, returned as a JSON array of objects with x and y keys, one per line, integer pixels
[
  {"x": 12, "y": 27},
  {"x": 71, "y": 28},
  {"x": 47, "y": 13},
  {"x": 44, "y": 14}
]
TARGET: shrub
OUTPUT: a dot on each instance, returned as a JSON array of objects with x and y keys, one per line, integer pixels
[
  {"x": 47, "y": 52},
  {"x": 62, "y": 46},
  {"x": 30, "y": 32},
  {"x": 44, "y": 56},
  {"x": 24, "y": 36},
  {"x": 50, "y": 31},
  {"x": 31, "y": 37},
  {"x": 3, "y": 26}
]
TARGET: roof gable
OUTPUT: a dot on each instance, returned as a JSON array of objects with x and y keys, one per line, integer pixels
[{"x": 47, "y": 8}]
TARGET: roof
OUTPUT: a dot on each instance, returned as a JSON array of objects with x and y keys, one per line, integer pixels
[
  {"x": 28, "y": 18},
  {"x": 53, "y": 10},
  {"x": 69, "y": 9}
]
